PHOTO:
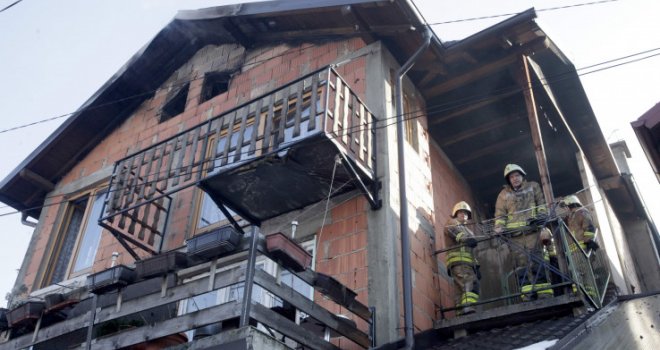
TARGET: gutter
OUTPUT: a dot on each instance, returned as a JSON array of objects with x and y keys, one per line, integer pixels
[{"x": 403, "y": 199}]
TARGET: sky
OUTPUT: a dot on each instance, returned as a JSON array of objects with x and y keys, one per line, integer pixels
[{"x": 55, "y": 54}]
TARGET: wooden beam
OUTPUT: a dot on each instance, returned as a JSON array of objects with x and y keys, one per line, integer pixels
[
  {"x": 486, "y": 69},
  {"x": 471, "y": 132},
  {"x": 37, "y": 179},
  {"x": 525, "y": 80},
  {"x": 496, "y": 148},
  {"x": 360, "y": 25},
  {"x": 466, "y": 108}
]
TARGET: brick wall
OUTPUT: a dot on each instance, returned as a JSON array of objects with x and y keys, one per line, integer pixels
[
  {"x": 256, "y": 72},
  {"x": 342, "y": 253}
]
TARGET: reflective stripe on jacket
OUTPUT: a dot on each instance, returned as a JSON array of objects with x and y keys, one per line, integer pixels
[
  {"x": 581, "y": 225},
  {"x": 459, "y": 232}
]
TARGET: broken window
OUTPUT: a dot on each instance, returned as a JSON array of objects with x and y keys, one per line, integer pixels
[
  {"x": 176, "y": 105},
  {"x": 215, "y": 83},
  {"x": 75, "y": 249}
]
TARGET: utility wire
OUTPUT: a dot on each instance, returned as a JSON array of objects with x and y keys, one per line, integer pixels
[
  {"x": 434, "y": 109},
  {"x": 283, "y": 54},
  {"x": 10, "y": 5},
  {"x": 517, "y": 13}
]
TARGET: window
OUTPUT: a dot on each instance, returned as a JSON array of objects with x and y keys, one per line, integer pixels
[
  {"x": 411, "y": 113},
  {"x": 75, "y": 249},
  {"x": 215, "y": 83},
  {"x": 176, "y": 105}
]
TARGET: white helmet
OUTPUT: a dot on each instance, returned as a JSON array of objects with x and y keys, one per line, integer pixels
[
  {"x": 509, "y": 168},
  {"x": 571, "y": 200},
  {"x": 462, "y": 205}
]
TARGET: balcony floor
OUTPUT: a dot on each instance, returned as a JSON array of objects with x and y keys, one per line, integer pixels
[{"x": 275, "y": 184}]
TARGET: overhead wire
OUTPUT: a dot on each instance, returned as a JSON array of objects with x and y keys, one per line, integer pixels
[
  {"x": 281, "y": 55},
  {"x": 433, "y": 109},
  {"x": 517, "y": 13}
]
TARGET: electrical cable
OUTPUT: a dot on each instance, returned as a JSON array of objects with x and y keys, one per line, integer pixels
[{"x": 420, "y": 113}]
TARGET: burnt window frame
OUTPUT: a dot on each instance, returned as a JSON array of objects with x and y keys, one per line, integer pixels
[
  {"x": 211, "y": 85},
  {"x": 176, "y": 104}
]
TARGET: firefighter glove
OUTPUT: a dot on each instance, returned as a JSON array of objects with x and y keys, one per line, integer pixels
[
  {"x": 471, "y": 242},
  {"x": 592, "y": 245}
]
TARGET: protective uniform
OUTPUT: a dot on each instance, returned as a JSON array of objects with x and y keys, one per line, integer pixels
[
  {"x": 461, "y": 261},
  {"x": 579, "y": 223},
  {"x": 513, "y": 210}
]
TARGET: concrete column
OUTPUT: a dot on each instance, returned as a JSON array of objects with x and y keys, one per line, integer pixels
[{"x": 383, "y": 225}]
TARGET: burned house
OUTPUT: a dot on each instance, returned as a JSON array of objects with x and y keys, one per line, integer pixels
[{"x": 252, "y": 150}]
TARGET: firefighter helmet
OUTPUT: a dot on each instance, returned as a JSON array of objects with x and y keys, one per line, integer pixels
[
  {"x": 511, "y": 168},
  {"x": 571, "y": 200},
  {"x": 462, "y": 205}
]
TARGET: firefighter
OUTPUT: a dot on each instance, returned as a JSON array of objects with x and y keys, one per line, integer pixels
[
  {"x": 461, "y": 263},
  {"x": 580, "y": 224},
  {"x": 519, "y": 212}
]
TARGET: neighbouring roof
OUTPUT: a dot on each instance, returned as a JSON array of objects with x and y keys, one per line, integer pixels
[{"x": 647, "y": 129}]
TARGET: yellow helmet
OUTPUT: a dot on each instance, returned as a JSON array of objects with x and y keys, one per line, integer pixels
[
  {"x": 462, "y": 205},
  {"x": 509, "y": 168},
  {"x": 571, "y": 199}
]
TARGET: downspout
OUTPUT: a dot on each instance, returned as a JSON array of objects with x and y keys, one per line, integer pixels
[
  {"x": 26, "y": 222},
  {"x": 403, "y": 200}
]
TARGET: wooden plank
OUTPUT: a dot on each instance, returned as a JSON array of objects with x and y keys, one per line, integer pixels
[
  {"x": 470, "y": 133},
  {"x": 176, "y": 293},
  {"x": 469, "y": 107},
  {"x": 157, "y": 171},
  {"x": 269, "y": 123},
  {"x": 50, "y": 332},
  {"x": 313, "y": 100},
  {"x": 193, "y": 153},
  {"x": 230, "y": 131},
  {"x": 525, "y": 80},
  {"x": 175, "y": 325},
  {"x": 346, "y": 95},
  {"x": 241, "y": 132},
  {"x": 362, "y": 129},
  {"x": 178, "y": 167},
  {"x": 170, "y": 159},
  {"x": 255, "y": 130},
  {"x": 285, "y": 111},
  {"x": 299, "y": 106},
  {"x": 288, "y": 328},
  {"x": 335, "y": 113},
  {"x": 149, "y": 159},
  {"x": 309, "y": 277},
  {"x": 354, "y": 125},
  {"x": 309, "y": 307}
]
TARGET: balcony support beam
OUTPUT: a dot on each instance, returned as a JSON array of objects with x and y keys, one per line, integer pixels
[{"x": 371, "y": 194}]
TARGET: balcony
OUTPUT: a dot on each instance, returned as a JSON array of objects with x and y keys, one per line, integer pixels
[
  {"x": 274, "y": 154},
  {"x": 577, "y": 277},
  {"x": 158, "y": 307}
]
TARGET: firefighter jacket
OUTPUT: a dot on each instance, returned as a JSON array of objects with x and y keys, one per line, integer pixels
[
  {"x": 459, "y": 232},
  {"x": 514, "y": 207},
  {"x": 581, "y": 226}
]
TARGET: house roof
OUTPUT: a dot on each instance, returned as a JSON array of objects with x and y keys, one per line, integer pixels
[
  {"x": 647, "y": 129},
  {"x": 478, "y": 65}
]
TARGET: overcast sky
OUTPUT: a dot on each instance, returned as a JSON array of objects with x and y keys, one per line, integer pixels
[{"x": 55, "y": 54}]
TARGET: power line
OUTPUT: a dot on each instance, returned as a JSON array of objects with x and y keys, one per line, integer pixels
[
  {"x": 517, "y": 13},
  {"x": 433, "y": 109},
  {"x": 10, "y": 5},
  {"x": 280, "y": 55}
]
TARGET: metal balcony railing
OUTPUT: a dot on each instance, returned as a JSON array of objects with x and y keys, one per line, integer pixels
[
  {"x": 572, "y": 270},
  {"x": 318, "y": 104}
]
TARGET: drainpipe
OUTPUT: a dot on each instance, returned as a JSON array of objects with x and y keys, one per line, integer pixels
[
  {"x": 403, "y": 200},
  {"x": 26, "y": 222}
]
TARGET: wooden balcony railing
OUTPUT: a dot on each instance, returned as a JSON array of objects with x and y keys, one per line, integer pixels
[
  {"x": 154, "y": 308},
  {"x": 319, "y": 104}
]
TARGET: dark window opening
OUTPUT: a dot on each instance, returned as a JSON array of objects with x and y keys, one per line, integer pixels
[
  {"x": 175, "y": 105},
  {"x": 215, "y": 83}
]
